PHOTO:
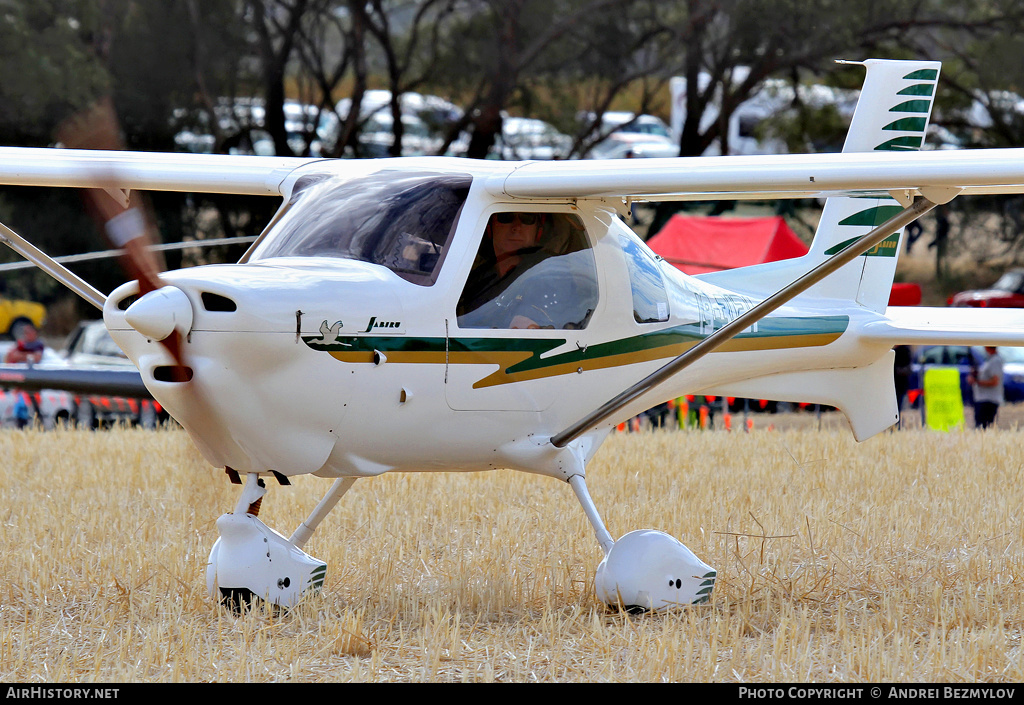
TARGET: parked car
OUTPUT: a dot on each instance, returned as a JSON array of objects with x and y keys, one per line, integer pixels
[
  {"x": 90, "y": 345},
  {"x": 967, "y": 358},
  {"x": 528, "y": 138},
  {"x": 379, "y": 133},
  {"x": 520, "y": 139},
  {"x": 621, "y": 145},
  {"x": 242, "y": 121},
  {"x": 630, "y": 135},
  {"x": 424, "y": 121},
  {"x": 631, "y": 123},
  {"x": 15, "y": 314},
  {"x": 1007, "y": 292},
  {"x": 52, "y": 407}
]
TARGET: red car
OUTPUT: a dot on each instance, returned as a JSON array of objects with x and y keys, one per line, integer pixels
[{"x": 1008, "y": 292}]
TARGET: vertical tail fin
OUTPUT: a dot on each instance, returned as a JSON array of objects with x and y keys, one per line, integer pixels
[{"x": 892, "y": 115}]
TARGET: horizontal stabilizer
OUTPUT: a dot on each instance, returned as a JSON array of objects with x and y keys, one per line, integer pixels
[
  {"x": 867, "y": 395},
  {"x": 915, "y": 325}
]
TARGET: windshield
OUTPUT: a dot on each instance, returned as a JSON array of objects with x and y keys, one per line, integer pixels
[
  {"x": 1011, "y": 281},
  {"x": 399, "y": 220}
]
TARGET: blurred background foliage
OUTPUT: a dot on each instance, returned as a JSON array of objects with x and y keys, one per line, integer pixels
[{"x": 218, "y": 75}]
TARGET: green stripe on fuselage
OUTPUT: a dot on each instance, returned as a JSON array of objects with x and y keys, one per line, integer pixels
[{"x": 521, "y": 358}]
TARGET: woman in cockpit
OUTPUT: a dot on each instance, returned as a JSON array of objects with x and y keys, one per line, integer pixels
[{"x": 521, "y": 280}]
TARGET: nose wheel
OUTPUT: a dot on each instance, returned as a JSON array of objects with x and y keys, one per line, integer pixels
[{"x": 251, "y": 562}]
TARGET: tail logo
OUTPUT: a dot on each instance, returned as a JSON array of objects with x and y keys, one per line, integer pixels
[
  {"x": 918, "y": 109},
  {"x": 889, "y": 247}
]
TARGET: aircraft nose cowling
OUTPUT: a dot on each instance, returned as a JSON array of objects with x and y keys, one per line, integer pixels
[{"x": 160, "y": 312}]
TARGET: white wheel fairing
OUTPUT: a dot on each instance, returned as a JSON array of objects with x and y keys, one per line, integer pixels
[
  {"x": 251, "y": 557},
  {"x": 651, "y": 570}
]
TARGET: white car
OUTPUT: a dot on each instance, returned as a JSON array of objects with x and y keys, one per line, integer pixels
[
  {"x": 303, "y": 123},
  {"x": 379, "y": 133},
  {"x": 529, "y": 138},
  {"x": 90, "y": 345},
  {"x": 521, "y": 139},
  {"x": 633, "y": 123},
  {"x": 622, "y": 145},
  {"x": 424, "y": 119}
]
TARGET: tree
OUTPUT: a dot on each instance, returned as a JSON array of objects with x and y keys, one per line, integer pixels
[
  {"x": 734, "y": 46},
  {"x": 278, "y": 26},
  {"x": 333, "y": 45},
  {"x": 512, "y": 43},
  {"x": 50, "y": 67}
]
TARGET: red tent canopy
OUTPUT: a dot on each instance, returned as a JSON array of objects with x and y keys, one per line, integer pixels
[
  {"x": 905, "y": 294},
  {"x": 698, "y": 244}
]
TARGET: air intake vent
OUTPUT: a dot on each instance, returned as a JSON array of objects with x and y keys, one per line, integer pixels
[
  {"x": 166, "y": 373},
  {"x": 216, "y": 302}
]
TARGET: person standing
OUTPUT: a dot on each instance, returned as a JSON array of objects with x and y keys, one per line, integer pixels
[
  {"x": 902, "y": 371},
  {"x": 29, "y": 349},
  {"x": 987, "y": 383}
]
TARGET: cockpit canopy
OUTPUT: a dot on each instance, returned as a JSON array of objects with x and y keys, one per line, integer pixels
[{"x": 400, "y": 220}]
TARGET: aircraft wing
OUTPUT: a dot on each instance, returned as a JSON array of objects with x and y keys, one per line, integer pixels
[
  {"x": 99, "y": 380},
  {"x": 146, "y": 171},
  {"x": 901, "y": 174}
]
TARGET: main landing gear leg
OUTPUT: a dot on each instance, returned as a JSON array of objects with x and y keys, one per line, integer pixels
[
  {"x": 306, "y": 528},
  {"x": 646, "y": 569},
  {"x": 251, "y": 560}
]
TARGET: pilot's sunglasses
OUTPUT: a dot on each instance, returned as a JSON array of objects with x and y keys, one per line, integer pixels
[{"x": 524, "y": 218}]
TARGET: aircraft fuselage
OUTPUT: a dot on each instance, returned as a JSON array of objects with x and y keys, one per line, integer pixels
[{"x": 339, "y": 367}]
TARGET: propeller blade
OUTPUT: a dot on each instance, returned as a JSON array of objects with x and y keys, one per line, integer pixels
[{"x": 128, "y": 227}]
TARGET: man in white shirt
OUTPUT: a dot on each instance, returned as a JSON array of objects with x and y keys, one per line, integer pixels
[{"x": 987, "y": 383}]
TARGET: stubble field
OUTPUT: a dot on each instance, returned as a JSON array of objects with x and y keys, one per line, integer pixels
[{"x": 896, "y": 560}]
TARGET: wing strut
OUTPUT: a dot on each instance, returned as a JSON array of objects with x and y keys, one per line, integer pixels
[
  {"x": 107, "y": 254},
  {"x": 918, "y": 208},
  {"x": 46, "y": 263}
]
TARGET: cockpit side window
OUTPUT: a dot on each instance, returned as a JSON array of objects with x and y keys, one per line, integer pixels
[
  {"x": 533, "y": 270},
  {"x": 650, "y": 297},
  {"x": 401, "y": 221}
]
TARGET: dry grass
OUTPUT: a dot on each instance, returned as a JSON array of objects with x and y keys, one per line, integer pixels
[{"x": 895, "y": 560}]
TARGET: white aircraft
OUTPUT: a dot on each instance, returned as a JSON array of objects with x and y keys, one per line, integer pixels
[{"x": 430, "y": 314}]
